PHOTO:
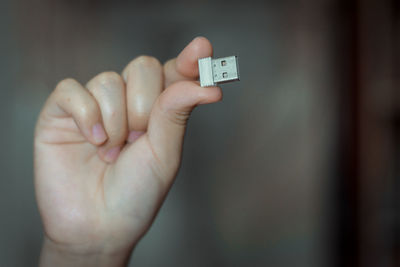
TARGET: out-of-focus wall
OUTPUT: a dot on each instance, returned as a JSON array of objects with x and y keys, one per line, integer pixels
[{"x": 253, "y": 189}]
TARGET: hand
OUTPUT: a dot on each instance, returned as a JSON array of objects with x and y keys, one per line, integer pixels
[{"x": 106, "y": 155}]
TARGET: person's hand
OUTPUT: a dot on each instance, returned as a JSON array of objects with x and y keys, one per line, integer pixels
[{"x": 107, "y": 153}]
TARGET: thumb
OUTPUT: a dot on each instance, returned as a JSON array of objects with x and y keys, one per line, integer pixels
[{"x": 169, "y": 117}]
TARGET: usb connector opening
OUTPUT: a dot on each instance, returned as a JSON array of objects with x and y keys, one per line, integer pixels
[{"x": 220, "y": 70}]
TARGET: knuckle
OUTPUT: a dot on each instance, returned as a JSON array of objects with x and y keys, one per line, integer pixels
[
  {"x": 65, "y": 84},
  {"x": 109, "y": 79},
  {"x": 176, "y": 116},
  {"x": 144, "y": 61}
]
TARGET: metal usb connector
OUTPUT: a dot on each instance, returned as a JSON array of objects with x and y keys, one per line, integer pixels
[{"x": 220, "y": 70}]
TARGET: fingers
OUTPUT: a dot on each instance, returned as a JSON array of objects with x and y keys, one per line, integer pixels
[
  {"x": 71, "y": 99},
  {"x": 185, "y": 67},
  {"x": 169, "y": 117},
  {"x": 144, "y": 79},
  {"x": 109, "y": 113},
  {"x": 108, "y": 89}
]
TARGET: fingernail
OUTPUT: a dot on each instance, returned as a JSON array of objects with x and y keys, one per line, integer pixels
[
  {"x": 99, "y": 134},
  {"x": 112, "y": 154},
  {"x": 133, "y": 135}
]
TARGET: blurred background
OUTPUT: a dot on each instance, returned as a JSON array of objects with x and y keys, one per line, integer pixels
[{"x": 298, "y": 166}]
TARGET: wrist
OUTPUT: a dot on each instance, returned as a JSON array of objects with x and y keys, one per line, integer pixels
[{"x": 54, "y": 254}]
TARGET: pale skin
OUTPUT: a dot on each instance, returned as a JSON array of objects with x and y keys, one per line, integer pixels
[{"x": 107, "y": 153}]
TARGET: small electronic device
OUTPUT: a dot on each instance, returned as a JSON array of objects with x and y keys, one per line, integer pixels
[{"x": 219, "y": 70}]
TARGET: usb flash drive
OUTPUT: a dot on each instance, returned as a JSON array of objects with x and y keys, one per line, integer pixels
[{"x": 219, "y": 70}]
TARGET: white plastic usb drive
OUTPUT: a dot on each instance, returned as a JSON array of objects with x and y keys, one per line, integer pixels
[{"x": 219, "y": 70}]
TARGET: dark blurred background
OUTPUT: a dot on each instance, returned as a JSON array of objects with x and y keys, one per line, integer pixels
[{"x": 298, "y": 166}]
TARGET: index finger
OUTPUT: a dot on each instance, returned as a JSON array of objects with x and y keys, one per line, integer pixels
[{"x": 184, "y": 67}]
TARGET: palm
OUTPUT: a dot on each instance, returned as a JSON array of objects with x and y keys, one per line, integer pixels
[
  {"x": 86, "y": 195},
  {"x": 88, "y": 204}
]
